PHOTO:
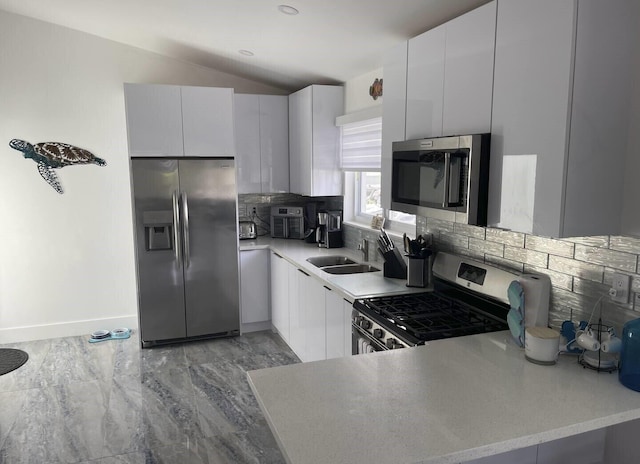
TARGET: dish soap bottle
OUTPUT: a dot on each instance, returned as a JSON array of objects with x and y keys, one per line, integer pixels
[{"x": 629, "y": 373}]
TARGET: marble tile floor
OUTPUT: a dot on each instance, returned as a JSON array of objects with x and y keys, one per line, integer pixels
[{"x": 114, "y": 403}]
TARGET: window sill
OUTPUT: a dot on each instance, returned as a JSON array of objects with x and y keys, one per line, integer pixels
[{"x": 367, "y": 226}]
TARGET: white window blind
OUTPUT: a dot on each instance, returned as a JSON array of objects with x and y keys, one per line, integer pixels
[{"x": 362, "y": 145}]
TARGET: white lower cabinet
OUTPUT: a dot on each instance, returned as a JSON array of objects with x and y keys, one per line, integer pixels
[
  {"x": 338, "y": 312},
  {"x": 280, "y": 295},
  {"x": 297, "y": 313},
  {"x": 254, "y": 287},
  {"x": 314, "y": 304}
]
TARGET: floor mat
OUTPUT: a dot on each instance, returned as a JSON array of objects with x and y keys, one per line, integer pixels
[{"x": 11, "y": 359}]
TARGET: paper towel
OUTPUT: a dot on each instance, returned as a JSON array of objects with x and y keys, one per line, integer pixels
[{"x": 537, "y": 292}]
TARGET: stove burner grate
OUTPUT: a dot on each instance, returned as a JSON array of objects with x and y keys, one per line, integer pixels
[{"x": 430, "y": 316}]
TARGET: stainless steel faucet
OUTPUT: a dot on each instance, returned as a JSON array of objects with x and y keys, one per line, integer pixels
[{"x": 364, "y": 248}]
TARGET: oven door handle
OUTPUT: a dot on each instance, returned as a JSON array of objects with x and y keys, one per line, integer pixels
[{"x": 376, "y": 343}]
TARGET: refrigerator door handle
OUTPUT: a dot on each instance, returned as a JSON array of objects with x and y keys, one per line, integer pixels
[
  {"x": 185, "y": 228},
  {"x": 176, "y": 228}
]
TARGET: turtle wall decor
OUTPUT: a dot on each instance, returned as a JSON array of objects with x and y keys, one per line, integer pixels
[{"x": 54, "y": 155}]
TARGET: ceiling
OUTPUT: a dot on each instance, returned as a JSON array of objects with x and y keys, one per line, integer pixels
[{"x": 328, "y": 42}]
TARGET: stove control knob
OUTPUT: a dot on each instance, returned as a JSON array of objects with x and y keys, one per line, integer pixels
[
  {"x": 365, "y": 324},
  {"x": 378, "y": 333},
  {"x": 391, "y": 343}
]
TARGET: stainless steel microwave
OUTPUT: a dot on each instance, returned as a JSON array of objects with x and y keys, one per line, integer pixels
[{"x": 445, "y": 178}]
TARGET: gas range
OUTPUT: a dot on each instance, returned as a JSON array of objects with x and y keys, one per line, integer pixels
[{"x": 468, "y": 298}]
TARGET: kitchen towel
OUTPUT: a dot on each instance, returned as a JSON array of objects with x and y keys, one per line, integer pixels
[{"x": 537, "y": 291}]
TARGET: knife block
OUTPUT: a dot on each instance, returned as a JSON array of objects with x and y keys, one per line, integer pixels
[{"x": 394, "y": 266}]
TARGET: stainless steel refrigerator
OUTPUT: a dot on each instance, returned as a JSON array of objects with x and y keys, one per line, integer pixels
[{"x": 187, "y": 248}]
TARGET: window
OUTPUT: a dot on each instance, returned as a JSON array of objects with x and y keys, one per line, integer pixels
[{"x": 361, "y": 161}]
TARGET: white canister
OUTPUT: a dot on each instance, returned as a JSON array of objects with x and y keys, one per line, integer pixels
[{"x": 541, "y": 345}]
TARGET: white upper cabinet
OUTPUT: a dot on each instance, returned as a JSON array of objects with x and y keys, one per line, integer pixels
[
  {"x": 262, "y": 143},
  {"x": 247, "y": 119},
  {"x": 154, "y": 120},
  {"x": 274, "y": 143},
  {"x": 561, "y": 106},
  {"x": 207, "y": 121},
  {"x": 314, "y": 140},
  {"x": 393, "y": 111},
  {"x": 450, "y": 76},
  {"x": 468, "y": 83},
  {"x": 425, "y": 83},
  {"x": 169, "y": 120}
]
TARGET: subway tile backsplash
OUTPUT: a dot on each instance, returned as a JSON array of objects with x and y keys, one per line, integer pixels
[{"x": 580, "y": 268}]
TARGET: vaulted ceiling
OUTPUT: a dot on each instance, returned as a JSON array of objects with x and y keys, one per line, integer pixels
[{"x": 327, "y": 42}]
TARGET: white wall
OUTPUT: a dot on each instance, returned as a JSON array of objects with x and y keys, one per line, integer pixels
[
  {"x": 67, "y": 263},
  {"x": 356, "y": 92}
]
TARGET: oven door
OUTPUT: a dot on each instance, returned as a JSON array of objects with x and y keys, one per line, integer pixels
[{"x": 362, "y": 342}]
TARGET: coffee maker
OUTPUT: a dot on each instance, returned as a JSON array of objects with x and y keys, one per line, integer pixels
[{"x": 329, "y": 229}]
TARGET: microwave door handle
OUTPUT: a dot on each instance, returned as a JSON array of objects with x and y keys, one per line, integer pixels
[
  {"x": 447, "y": 180},
  {"x": 185, "y": 229},
  {"x": 177, "y": 245}
]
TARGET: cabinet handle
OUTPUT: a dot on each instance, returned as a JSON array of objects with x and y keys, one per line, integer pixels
[
  {"x": 327, "y": 288},
  {"x": 350, "y": 302},
  {"x": 300, "y": 270},
  {"x": 276, "y": 254}
]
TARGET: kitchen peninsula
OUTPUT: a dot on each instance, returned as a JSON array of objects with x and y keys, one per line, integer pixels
[{"x": 449, "y": 401}]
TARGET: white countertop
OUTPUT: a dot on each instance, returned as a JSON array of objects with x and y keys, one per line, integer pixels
[
  {"x": 449, "y": 401},
  {"x": 351, "y": 286}
]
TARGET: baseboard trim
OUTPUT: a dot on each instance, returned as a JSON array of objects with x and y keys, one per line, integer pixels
[
  {"x": 65, "y": 329},
  {"x": 256, "y": 326}
]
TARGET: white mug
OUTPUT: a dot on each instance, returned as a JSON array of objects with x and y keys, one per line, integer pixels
[
  {"x": 613, "y": 345},
  {"x": 587, "y": 341}
]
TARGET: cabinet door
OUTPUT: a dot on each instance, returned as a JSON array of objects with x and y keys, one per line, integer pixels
[
  {"x": 532, "y": 82},
  {"x": 274, "y": 143},
  {"x": 334, "y": 313},
  {"x": 280, "y": 295},
  {"x": 314, "y": 304},
  {"x": 425, "y": 83},
  {"x": 207, "y": 117},
  {"x": 247, "y": 125},
  {"x": 394, "y": 106},
  {"x": 468, "y": 86},
  {"x": 154, "y": 120},
  {"x": 328, "y": 104},
  {"x": 297, "y": 314},
  {"x": 254, "y": 285},
  {"x": 300, "y": 148}
]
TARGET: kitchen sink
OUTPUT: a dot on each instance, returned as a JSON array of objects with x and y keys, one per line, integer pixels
[
  {"x": 350, "y": 269},
  {"x": 323, "y": 261}
]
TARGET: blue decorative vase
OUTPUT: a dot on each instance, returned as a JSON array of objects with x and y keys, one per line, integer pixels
[{"x": 629, "y": 373}]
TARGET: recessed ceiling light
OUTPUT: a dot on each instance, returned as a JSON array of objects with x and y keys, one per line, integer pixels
[
  {"x": 288, "y": 10},
  {"x": 245, "y": 52}
]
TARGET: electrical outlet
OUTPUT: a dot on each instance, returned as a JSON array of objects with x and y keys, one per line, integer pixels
[
  {"x": 637, "y": 298},
  {"x": 253, "y": 211},
  {"x": 620, "y": 288}
]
